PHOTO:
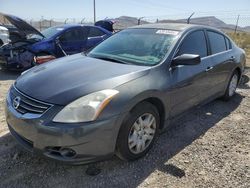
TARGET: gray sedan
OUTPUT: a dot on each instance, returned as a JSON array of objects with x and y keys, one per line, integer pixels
[{"x": 117, "y": 98}]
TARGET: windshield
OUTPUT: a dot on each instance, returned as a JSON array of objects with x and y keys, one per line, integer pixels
[
  {"x": 136, "y": 46},
  {"x": 50, "y": 32}
]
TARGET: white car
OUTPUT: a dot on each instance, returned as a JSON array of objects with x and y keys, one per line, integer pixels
[{"x": 4, "y": 35}]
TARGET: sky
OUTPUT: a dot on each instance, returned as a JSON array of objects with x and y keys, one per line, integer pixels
[{"x": 151, "y": 9}]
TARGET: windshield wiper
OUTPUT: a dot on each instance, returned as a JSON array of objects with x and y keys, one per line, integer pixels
[{"x": 111, "y": 59}]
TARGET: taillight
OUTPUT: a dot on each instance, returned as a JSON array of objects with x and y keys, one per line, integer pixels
[{"x": 43, "y": 59}]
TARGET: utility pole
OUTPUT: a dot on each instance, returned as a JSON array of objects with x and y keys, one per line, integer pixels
[
  {"x": 94, "y": 13},
  {"x": 236, "y": 26}
]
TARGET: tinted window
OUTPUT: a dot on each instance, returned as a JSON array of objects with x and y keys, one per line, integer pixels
[
  {"x": 85, "y": 31},
  {"x": 94, "y": 32},
  {"x": 194, "y": 43},
  {"x": 228, "y": 43},
  {"x": 72, "y": 35},
  {"x": 217, "y": 42}
]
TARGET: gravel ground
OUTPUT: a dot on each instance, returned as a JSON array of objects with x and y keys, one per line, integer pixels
[{"x": 207, "y": 147}]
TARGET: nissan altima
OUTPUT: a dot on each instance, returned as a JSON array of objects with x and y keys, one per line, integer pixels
[{"x": 117, "y": 98}]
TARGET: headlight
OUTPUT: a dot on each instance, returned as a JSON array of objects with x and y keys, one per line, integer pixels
[
  {"x": 86, "y": 108},
  {"x": 4, "y": 32}
]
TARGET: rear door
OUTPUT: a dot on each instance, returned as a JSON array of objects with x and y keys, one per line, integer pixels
[
  {"x": 73, "y": 40},
  {"x": 222, "y": 61},
  {"x": 189, "y": 81}
]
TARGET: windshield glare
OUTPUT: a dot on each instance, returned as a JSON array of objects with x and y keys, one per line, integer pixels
[
  {"x": 136, "y": 46},
  {"x": 50, "y": 32}
]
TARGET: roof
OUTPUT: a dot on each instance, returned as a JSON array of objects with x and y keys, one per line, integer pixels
[
  {"x": 65, "y": 26},
  {"x": 170, "y": 26}
]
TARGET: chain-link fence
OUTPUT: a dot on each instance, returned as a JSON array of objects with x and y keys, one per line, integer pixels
[
  {"x": 235, "y": 25},
  {"x": 227, "y": 22}
]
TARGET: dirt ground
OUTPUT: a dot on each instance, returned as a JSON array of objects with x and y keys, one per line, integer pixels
[{"x": 208, "y": 147}]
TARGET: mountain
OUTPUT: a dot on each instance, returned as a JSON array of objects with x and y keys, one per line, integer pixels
[{"x": 126, "y": 21}]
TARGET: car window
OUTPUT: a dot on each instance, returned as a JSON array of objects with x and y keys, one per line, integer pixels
[
  {"x": 142, "y": 46},
  {"x": 52, "y": 31},
  {"x": 95, "y": 32},
  {"x": 217, "y": 42},
  {"x": 228, "y": 43},
  {"x": 72, "y": 35},
  {"x": 194, "y": 43}
]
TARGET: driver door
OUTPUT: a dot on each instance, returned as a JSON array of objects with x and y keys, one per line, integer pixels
[
  {"x": 73, "y": 41},
  {"x": 189, "y": 81}
]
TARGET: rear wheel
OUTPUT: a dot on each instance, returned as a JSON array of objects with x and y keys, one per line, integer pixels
[
  {"x": 138, "y": 133},
  {"x": 232, "y": 85}
]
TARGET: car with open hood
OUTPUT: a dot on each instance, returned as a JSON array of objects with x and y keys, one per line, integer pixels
[
  {"x": 4, "y": 35},
  {"x": 117, "y": 98},
  {"x": 35, "y": 47}
]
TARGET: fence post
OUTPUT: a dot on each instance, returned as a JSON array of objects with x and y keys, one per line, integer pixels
[
  {"x": 40, "y": 25},
  {"x": 82, "y": 20},
  {"x": 139, "y": 20},
  {"x": 236, "y": 26},
  {"x": 50, "y": 22}
]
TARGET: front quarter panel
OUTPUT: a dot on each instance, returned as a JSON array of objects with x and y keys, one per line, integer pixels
[
  {"x": 43, "y": 46},
  {"x": 138, "y": 90}
]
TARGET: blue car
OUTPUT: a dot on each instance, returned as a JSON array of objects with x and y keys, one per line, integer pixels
[{"x": 39, "y": 47}]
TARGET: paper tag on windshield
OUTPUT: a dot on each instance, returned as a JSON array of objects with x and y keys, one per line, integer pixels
[{"x": 167, "y": 32}]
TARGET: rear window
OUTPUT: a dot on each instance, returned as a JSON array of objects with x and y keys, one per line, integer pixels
[
  {"x": 94, "y": 32},
  {"x": 217, "y": 42},
  {"x": 228, "y": 43}
]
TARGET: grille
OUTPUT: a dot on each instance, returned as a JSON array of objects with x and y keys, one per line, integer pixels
[{"x": 27, "y": 104}]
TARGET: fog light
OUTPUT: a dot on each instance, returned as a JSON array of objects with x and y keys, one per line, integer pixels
[
  {"x": 67, "y": 152},
  {"x": 61, "y": 152}
]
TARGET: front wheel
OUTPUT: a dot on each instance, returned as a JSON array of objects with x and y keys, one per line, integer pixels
[
  {"x": 138, "y": 132},
  {"x": 232, "y": 85}
]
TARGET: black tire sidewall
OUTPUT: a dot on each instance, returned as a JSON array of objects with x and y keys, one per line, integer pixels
[
  {"x": 123, "y": 150},
  {"x": 226, "y": 96}
]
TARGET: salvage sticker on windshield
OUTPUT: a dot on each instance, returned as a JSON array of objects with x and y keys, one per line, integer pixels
[{"x": 167, "y": 32}]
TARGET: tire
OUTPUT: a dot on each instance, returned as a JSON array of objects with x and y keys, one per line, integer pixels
[
  {"x": 231, "y": 86},
  {"x": 130, "y": 133},
  {"x": 1, "y": 43}
]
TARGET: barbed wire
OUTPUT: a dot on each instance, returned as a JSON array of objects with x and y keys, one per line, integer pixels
[{"x": 239, "y": 21}]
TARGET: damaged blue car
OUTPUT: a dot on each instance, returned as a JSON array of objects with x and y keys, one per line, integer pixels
[{"x": 39, "y": 47}]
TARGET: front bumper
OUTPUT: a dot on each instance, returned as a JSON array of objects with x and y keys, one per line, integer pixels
[
  {"x": 71, "y": 143},
  {"x": 20, "y": 61}
]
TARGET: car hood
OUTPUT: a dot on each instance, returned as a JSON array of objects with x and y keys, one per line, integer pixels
[
  {"x": 68, "y": 78},
  {"x": 21, "y": 25}
]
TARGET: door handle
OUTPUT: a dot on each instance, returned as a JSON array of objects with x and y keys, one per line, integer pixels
[
  {"x": 232, "y": 58},
  {"x": 209, "y": 68}
]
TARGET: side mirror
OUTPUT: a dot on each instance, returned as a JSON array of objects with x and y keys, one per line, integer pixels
[{"x": 186, "y": 59}]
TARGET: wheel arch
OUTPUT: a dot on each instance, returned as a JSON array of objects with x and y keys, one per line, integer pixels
[
  {"x": 158, "y": 103},
  {"x": 238, "y": 70}
]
